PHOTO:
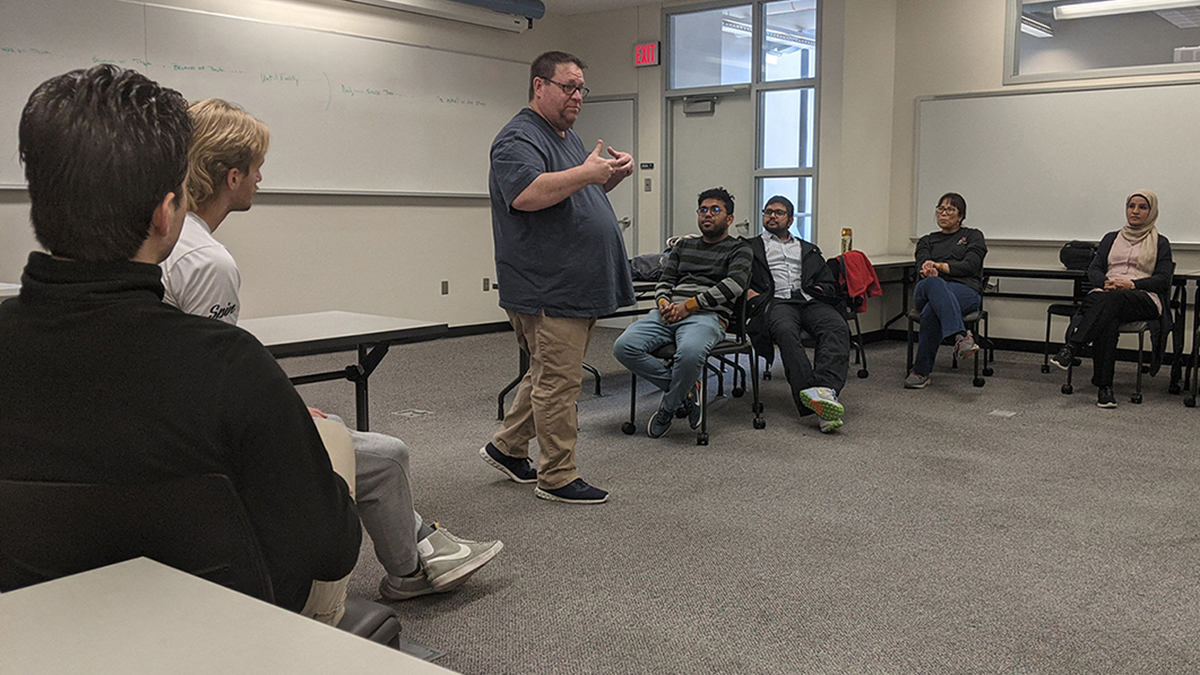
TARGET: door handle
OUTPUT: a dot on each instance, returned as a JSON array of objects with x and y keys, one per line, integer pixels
[{"x": 625, "y": 222}]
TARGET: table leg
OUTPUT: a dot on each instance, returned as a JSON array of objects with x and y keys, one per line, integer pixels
[
  {"x": 523, "y": 368},
  {"x": 361, "y": 403}
]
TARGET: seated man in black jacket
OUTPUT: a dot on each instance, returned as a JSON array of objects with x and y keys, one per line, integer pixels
[
  {"x": 792, "y": 290},
  {"x": 101, "y": 382}
]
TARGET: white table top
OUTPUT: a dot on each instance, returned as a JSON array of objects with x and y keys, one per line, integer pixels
[
  {"x": 142, "y": 617},
  {"x": 321, "y": 332},
  {"x": 9, "y": 290}
]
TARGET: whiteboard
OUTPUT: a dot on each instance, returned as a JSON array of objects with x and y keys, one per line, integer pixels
[
  {"x": 1056, "y": 166},
  {"x": 347, "y": 114}
]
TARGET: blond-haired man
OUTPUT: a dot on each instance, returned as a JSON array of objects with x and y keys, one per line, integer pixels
[{"x": 201, "y": 277}]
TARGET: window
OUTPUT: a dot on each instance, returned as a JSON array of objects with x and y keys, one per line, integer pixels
[
  {"x": 1050, "y": 41},
  {"x": 770, "y": 49}
]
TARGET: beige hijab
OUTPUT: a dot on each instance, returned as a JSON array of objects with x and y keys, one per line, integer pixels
[{"x": 1146, "y": 234}]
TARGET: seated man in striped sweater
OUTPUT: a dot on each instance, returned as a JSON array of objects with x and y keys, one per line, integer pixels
[{"x": 701, "y": 281}]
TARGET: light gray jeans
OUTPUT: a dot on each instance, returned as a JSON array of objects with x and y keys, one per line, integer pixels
[{"x": 384, "y": 497}]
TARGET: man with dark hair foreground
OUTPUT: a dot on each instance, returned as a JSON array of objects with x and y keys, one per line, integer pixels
[
  {"x": 100, "y": 382},
  {"x": 798, "y": 293},
  {"x": 700, "y": 284}
]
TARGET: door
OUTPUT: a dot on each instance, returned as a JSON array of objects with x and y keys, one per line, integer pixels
[
  {"x": 711, "y": 149},
  {"x": 614, "y": 120}
]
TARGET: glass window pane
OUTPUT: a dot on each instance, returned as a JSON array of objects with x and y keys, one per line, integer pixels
[
  {"x": 1052, "y": 39},
  {"x": 790, "y": 43},
  {"x": 787, "y": 141},
  {"x": 711, "y": 48},
  {"x": 800, "y": 191}
]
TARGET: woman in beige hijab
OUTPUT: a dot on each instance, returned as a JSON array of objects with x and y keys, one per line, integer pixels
[{"x": 1131, "y": 278}]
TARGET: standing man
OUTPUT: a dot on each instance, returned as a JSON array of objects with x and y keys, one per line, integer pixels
[
  {"x": 201, "y": 277},
  {"x": 560, "y": 261},
  {"x": 800, "y": 294},
  {"x": 700, "y": 284}
]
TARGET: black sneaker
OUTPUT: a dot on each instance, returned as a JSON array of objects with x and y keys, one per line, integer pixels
[
  {"x": 1106, "y": 398},
  {"x": 1064, "y": 358},
  {"x": 518, "y": 469},
  {"x": 575, "y": 492},
  {"x": 659, "y": 423}
]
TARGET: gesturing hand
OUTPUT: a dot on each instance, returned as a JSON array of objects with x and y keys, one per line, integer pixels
[
  {"x": 599, "y": 170},
  {"x": 622, "y": 163}
]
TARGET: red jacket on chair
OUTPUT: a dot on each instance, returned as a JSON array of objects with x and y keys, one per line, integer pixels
[{"x": 858, "y": 278}]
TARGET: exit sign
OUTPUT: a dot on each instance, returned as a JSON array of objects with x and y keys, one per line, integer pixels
[{"x": 645, "y": 54}]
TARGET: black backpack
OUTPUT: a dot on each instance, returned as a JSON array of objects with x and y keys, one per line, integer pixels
[{"x": 1077, "y": 255}]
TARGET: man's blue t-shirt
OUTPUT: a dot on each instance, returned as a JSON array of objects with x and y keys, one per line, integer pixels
[{"x": 567, "y": 259}]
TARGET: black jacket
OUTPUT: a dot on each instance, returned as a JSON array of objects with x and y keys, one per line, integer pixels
[
  {"x": 1158, "y": 283},
  {"x": 817, "y": 281},
  {"x": 101, "y": 382}
]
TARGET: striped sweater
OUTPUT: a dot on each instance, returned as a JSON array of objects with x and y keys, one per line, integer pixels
[{"x": 715, "y": 275}]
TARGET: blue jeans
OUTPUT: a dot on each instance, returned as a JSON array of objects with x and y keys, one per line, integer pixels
[
  {"x": 694, "y": 337},
  {"x": 942, "y": 304}
]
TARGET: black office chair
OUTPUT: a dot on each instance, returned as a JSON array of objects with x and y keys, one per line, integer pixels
[
  {"x": 850, "y": 306},
  {"x": 1066, "y": 309},
  {"x": 737, "y": 342},
  {"x": 195, "y": 524},
  {"x": 1142, "y": 328},
  {"x": 974, "y": 321}
]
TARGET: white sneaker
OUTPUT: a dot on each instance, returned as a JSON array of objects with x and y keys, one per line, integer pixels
[
  {"x": 830, "y": 426},
  {"x": 824, "y": 402}
]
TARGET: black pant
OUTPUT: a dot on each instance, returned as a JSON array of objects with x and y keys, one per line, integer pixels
[
  {"x": 831, "y": 358},
  {"x": 1100, "y": 316}
]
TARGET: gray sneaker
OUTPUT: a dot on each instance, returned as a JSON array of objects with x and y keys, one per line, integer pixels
[
  {"x": 965, "y": 347},
  {"x": 448, "y": 560},
  {"x": 445, "y": 563},
  {"x": 405, "y": 588},
  {"x": 915, "y": 381}
]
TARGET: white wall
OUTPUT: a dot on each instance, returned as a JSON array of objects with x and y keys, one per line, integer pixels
[
  {"x": 957, "y": 46},
  {"x": 382, "y": 255}
]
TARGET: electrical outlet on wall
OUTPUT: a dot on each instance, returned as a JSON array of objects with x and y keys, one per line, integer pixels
[{"x": 487, "y": 284}]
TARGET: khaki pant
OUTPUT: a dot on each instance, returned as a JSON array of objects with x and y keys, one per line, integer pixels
[
  {"x": 544, "y": 407},
  {"x": 327, "y": 599}
]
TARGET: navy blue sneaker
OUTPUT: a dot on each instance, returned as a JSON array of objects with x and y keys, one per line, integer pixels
[
  {"x": 691, "y": 407},
  {"x": 575, "y": 492},
  {"x": 660, "y": 421},
  {"x": 518, "y": 469}
]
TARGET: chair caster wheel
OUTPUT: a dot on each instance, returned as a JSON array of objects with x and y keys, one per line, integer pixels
[
  {"x": 760, "y": 423},
  {"x": 978, "y": 382},
  {"x": 1174, "y": 388},
  {"x": 766, "y": 374},
  {"x": 1135, "y": 398},
  {"x": 863, "y": 374},
  {"x": 1045, "y": 369},
  {"x": 1190, "y": 401},
  {"x": 701, "y": 439},
  {"x": 1068, "y": 389},
  {"x": 988, "y": 372},
  {"x": 628, "y": 428},
  {"x": 738, "y": 392}
]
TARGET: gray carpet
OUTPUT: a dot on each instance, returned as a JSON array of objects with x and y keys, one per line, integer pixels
[{"x": 927, "y": 536}]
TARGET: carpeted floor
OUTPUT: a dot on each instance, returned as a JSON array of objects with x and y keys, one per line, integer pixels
[{"x": 935, "y": 533}]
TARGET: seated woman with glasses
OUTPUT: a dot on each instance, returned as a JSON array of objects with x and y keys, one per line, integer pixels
[
  {"x": 1131, "y": 277},
  {"x": 950, "y": 264}
]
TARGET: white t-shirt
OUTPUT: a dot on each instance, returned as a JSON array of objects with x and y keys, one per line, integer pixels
[{"x": 200, "y": 275}]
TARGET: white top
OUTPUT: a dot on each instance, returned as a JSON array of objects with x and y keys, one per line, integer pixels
[
  {"x": 143, "y": 617},
  {"x": 200, "y": 275},
  {"x": 785, "y": 258}
]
